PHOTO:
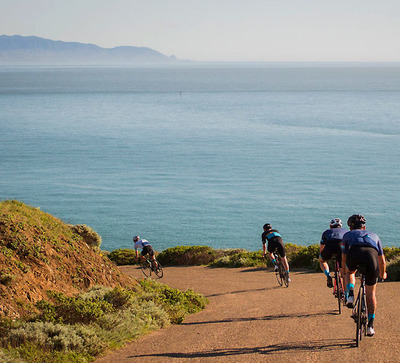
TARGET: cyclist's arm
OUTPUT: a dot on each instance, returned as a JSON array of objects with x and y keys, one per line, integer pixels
[
  {"x": 264, "y": 249},
  {"x": 137, "y": 253},
  {"x": 382, "y": 267}
]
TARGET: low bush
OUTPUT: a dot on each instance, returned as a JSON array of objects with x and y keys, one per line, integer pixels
[
  {"x": 178, "y": 304},
  {"x": 187, "y": 256},
  {"x": 72, "y": 310},
  {"x": 76, "y": 329},
  {"x": 391, "y": 253},
  {"x": 304, "y": 257},
  {"x": 89, "y": 236},
  {"x": 238, "y": 258},
  {"x": 393, "y": 269},
  {"x": 123, "y": 257}
]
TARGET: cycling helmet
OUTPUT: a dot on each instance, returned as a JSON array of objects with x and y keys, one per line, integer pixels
[
  {"x": 356, "y": 221},
  {"x": 336, "y": 222},
  {"x": 136, "y": 238},
  {"x": 267, "y": 226}
]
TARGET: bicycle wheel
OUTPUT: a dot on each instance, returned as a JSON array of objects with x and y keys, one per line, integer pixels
[
  {"x": 358, "y": 318},
  {"x": 285, "y": 276},
  {"x": 159, "y": 270},
  {"x": 278, "y": 274},
  {"x": 364, "y": 317},
  {"x": 146, "y": 268},
  {"x": 339, "y": 290}
]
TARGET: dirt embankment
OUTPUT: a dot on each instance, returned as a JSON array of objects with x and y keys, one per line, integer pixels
[
  {"x": 39, "y": 252},
  {"x": 251, "y": 319}
]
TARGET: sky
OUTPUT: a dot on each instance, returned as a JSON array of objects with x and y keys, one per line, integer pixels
[{"x": 219, "y": 30}]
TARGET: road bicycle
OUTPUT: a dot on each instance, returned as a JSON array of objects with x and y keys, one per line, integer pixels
[
  {"x": 360, "y": 310},
  {"x": 280, "y": 273},
  {"x": 147, "y": 266},
  {"x": 338, "y": 288}
]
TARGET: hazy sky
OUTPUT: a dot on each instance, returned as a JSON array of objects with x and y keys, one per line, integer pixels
[{"x": 219, "y": 30}]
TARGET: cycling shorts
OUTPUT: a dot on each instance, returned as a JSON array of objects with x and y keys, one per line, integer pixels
[
  {"x": 147, "y": 250},
  {"x": 332, "y": 250},
  {"x": 276, "y": 243},
  {"x": 367, "y": 256}
]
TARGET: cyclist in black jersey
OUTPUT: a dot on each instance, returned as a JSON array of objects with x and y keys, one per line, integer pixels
[
  {"x": 275, "y": 241},
  {"x": 330, "y": 247}
]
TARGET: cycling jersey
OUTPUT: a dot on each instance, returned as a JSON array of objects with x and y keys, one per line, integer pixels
[
  {"x": 362, "y": 238},
  {"x": 333, "y": 235},
  {"x": 274, "y": 241},
  {"x": 141, "y": 244},
  {"x": 268, "y": 235}
]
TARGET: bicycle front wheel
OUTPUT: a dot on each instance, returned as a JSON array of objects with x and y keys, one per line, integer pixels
[
  {"x": 159, "y": 270},
  {"x": 146, "y": 268},
  {"x": 285, "y": 277}
]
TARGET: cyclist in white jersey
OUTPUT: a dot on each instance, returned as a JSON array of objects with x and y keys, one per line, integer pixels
[{"x": 146, "y": 248}]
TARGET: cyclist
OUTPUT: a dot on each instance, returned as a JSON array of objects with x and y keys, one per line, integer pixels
[
  {"x": 330, "y": 246},
  {"x": 274, "y": 242},
  {"x": 363, "y": 247},
  {"x": 146, "y": 249}
]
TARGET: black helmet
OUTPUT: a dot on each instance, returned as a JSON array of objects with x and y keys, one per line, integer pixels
[
  {"x": 356, "y": 221},
  {"x": 267, "y": 226},
  {"x": 136, "y": 238}
]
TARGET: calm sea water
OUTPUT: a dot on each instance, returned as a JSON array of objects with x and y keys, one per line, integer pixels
[{"x": 204, "y": 154}]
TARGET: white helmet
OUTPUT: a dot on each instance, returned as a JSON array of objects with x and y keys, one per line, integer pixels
[
  {"x": 336, "y": 222},
  {"x": 136, "y": 238}
]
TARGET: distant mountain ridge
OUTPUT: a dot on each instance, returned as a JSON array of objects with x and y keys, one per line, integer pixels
[{"x": 17, "y": 49}]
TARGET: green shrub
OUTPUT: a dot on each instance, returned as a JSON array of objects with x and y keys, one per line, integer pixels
[
  {"x": 120, "y": 298},
  {"x": 89, "y": 236},
  {"x": 238, "y": 258},
  {"x": 187, "y": 256},
  {"x": 305, "y": 257},
  {"x": 72, "y": 310},
  {"x": 123, "y": 257},
  {"x": 177, "y": 303},
  {"x": 393, "y": 269},
  {"x": 391, "y": 253}
]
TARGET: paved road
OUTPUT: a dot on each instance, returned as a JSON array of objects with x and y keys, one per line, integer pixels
[{"x": 251, "y": 319}]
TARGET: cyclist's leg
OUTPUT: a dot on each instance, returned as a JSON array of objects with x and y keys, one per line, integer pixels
[
  {"x": 371, "y": 275},
  {"x": 271, "y": 249},
  {"x": 324, "y": 256}
]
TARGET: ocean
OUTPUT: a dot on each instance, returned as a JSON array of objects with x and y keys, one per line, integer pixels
[{"x": 204, "y": 154}]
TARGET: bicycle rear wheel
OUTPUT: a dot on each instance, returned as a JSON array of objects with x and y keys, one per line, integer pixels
[
  {"x": 358, "y": 318},
  {"x": 279, "y": 275},
  {"x": 285, "y": 276},
  {"x": 146, "y": 268},
  {"x": 339, "y": 290},
  {"x": 159, "y": 270}
]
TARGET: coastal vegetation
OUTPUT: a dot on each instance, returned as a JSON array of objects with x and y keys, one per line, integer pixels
[
  {"x": 299, "y": 257},
  {"x": 63, "y": 300}
]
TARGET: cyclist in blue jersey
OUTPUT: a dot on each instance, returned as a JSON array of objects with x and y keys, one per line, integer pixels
[
  {"x": 362, "y": 247},
  {"x": 330, "y": 246},
  {"x": 275, "y": 241},
  {"x": 146, "y": 248}
]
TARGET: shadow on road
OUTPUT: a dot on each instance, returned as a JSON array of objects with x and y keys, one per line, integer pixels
[
  {"x": 244, "y": 291},
  {"x": 294, "y": 347},
  {"x": 265, "y": 318}
]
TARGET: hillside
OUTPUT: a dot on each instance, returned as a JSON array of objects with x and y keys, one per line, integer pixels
[
  {"x": 35, "y": 50},
  {"x": 39, "y": 252}
]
